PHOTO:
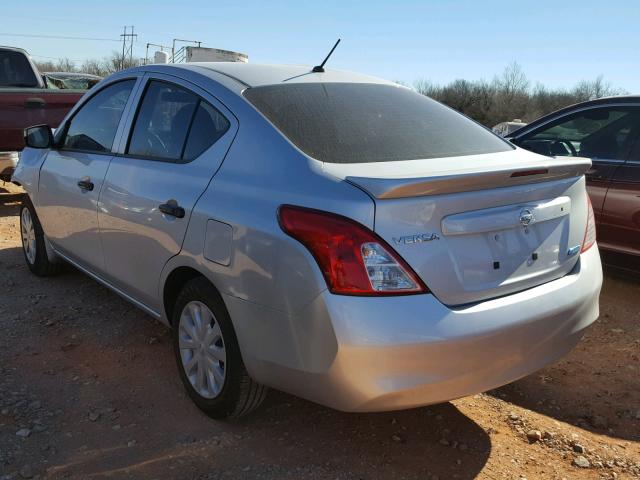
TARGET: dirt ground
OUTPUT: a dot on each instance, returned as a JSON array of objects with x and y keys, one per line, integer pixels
[{"x": 89, "y": 389}]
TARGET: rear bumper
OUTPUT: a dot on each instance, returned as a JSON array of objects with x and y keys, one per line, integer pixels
[
  {"x": 401, "y": 352},
  {"x": 8, "y": 163}
]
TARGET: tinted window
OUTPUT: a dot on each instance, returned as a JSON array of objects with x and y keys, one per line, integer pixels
[
  {"x": 596, "y": 133},
  {"x": 93, "y": 128},
  {"x": 168, "y": 115},
  {"x": 208, "y": 126},
  {"x": 355, "y": 123},
  {"x": 163, "y": 121},
  {"x": 16, "y": 71}
]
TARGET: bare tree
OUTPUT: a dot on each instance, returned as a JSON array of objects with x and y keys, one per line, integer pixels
[
  {"x": 513, "y": 80},
  {"x": 598, "y": 88},
  {"x": 65, "y": 65},
  {"x": 47, "y": 66},
  {"x": 426, "y": 87}
]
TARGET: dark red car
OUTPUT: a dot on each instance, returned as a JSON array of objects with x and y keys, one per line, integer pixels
[{"x": 607, "y": 131}]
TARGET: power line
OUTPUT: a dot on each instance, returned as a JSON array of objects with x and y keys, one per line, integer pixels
[{"x": 59, "y": 37}]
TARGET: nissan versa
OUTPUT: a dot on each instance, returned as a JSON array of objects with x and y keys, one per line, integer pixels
[{"x": 325, "y": 233}]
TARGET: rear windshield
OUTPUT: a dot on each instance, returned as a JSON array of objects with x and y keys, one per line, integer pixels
[
  {"x": 357, "y": 123},
  {"x": 16, "y": 71}
]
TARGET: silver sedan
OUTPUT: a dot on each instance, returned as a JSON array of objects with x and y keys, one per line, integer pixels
[{"x": 324, "y": 233}]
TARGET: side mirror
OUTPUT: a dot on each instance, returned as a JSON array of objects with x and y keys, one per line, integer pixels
[{"x": 39, "y": 136}]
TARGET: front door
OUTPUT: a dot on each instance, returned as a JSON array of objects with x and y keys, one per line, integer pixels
[
  {"x": 178, "y": 140},
  {"x": 72, "y": 175}
]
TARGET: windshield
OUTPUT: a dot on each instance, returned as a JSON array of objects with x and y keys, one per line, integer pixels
[
  {"x": 16, "y": 71},
  {"x": 358, "y": 123}
]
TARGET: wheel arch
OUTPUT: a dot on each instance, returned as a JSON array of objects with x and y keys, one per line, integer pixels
[{"x": 172, "y": 285}]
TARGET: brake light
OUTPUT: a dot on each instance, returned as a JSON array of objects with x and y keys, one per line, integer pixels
[
  {"x": 352, "y": 258},
  {"x": 590, "y": 230}
]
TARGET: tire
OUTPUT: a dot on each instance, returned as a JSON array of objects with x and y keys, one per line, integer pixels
[
  {"x": 224, "y": 389},
  {"x": 33, "y": 242}
]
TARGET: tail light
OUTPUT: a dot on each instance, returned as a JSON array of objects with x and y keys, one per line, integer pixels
[
  {"x": 590, "y": 230},
  {"x": 353, "y": 259}
]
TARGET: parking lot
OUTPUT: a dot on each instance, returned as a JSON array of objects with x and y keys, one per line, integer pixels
[{"x": 89, "y": 389}]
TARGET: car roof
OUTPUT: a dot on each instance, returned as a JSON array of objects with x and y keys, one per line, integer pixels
[{"x": 256, "y": 75}]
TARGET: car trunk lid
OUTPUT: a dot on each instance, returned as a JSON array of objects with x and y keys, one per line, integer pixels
[{"x": 486, "y": 226}]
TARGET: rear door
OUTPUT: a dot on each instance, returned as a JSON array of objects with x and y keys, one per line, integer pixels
[
  {"x": 178, "y": 139},
  {"x": 603, "y": 133},
  {"x": 72, "y": 174},
  {"x": 620, "y": 224}
]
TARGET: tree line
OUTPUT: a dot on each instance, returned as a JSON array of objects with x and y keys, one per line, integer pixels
[
  {"x": 507, "y": 97},
  {"x": 511, "y": 96},
  {"x": 94, "y": 66}
]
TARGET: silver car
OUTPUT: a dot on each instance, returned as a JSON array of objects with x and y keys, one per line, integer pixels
[{"x": 332, "y": 235}]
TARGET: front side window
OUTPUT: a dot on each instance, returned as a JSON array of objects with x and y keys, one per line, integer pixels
[
  {"x": 606, "y": 132},
  {"x": 361, "y": 122},
  {"x": 93, "y": 128},
  {"x": 174, "y": 124}
]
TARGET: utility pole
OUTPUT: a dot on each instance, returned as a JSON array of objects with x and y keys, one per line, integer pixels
[{"x": 127, "y": 46}]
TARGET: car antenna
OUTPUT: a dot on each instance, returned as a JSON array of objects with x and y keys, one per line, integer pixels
[{"x": 320, "y": 68}]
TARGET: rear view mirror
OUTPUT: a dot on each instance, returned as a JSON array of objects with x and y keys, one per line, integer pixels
[{"x": 39, "y": 136}]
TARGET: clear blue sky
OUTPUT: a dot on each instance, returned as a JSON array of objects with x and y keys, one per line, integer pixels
[{"x": 556, "y": 42}]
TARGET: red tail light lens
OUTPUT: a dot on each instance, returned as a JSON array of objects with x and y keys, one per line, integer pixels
[
  {"x": 353, "y": 259},
  {"x": 590, "y": 230}
]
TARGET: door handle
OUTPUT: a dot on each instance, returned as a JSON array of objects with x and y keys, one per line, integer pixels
[
  {"x": 172, "y": 208},
  {"x": 34, "y": 102},
  {"x": 86, "y": 184}
]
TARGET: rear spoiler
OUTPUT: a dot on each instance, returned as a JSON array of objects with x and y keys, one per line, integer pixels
[{"x": 556, "y": 169}]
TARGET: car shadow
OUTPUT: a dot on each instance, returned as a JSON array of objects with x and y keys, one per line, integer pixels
[
  {"x": 424, "y": 442},
  {"x": 597, "y": 386}
]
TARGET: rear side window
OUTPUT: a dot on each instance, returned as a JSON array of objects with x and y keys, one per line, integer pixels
[
  {"x": 358, "y": 123},
  {"x": 93, "y": 128},
  {"x": 208, "y": 126},
  {"x": 174, "y": 124},
  {"x": 603, "y": 132},
  {"x": 16, "y": 71}
]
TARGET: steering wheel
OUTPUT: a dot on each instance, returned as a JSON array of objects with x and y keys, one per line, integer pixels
[{"x": 569, "y": 145}]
